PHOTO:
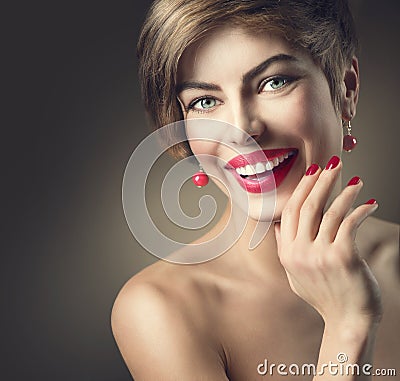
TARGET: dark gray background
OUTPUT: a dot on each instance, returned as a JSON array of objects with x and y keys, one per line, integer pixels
[{"x": 72, "y": 115}]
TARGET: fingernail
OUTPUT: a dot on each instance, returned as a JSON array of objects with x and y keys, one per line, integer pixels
[
  {"x": 354, "y": 181},
  {"x": 371, "y": 201},
  {"x": 333, "y": 162},
  {"x": 312, "y": 169}
]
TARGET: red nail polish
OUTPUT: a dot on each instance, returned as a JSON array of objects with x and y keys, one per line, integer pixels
[
  {"x": 312, "y": 169},
  {"x": 354, "y": 181},
  {"x": 371, "y": 201},
  {"x": 333, "y": 162}
]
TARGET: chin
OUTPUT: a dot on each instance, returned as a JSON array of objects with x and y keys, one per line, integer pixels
[
  {"x": 269, "y": 209},
  {"x": 262, "y": 209}
]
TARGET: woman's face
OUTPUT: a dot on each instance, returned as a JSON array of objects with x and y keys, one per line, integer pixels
[{"x": 263, "y": 88}]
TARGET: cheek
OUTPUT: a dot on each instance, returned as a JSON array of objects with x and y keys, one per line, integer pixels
[
  {"x": 207, "y": 155},
  {"x": 311, "y": 117},
  {"x": 204, "y": 135},
  {"x": 300, "y": 117},
  {"x": 201, "y": 147}
]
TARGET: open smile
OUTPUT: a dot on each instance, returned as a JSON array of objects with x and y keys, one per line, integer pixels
[{"x": 262, "y": 171}]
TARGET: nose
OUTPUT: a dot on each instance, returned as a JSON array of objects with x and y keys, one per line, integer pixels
[{"x": 247, "y": 126}]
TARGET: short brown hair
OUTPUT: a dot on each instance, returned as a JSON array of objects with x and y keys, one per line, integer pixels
[{"x": 324, "y": 27}]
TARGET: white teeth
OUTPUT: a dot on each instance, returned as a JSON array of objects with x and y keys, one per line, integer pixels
[
  {"x": 269, "y": 165},
  {"x": 261, "y": 167},
  {"x": 250, "y": 170},
  {"x": 241, "y": 170}
]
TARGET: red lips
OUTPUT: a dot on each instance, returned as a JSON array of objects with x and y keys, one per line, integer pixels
[
  {"x": 257, "y": 156},
  {"x": 268, "y": 180}
]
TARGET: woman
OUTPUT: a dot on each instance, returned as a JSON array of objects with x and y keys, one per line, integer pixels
[{"x": 283, "y": 74}]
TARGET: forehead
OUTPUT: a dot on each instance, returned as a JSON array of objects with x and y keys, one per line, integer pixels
[{"x": 232, "y": 51}]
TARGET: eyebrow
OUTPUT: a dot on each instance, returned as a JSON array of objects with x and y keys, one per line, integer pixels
[
  {"x": 196, "y": 85},
  {"x": 264, "y": 65},
  {"x": 246, "y": 77}
]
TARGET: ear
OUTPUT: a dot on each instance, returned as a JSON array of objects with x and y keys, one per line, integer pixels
[{"x": 350, "y": 90}]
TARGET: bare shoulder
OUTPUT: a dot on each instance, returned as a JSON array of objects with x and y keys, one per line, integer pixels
[
  {"x": 159, "y": 327},
  {"x": 160, "y": 288},
  {"x": 378, "y": 241},
  {"x": 178, "y": 289}
]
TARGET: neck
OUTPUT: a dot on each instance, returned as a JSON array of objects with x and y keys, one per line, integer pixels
[{"x": 262, "y": 260}]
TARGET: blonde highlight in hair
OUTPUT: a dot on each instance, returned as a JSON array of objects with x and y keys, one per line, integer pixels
[{"x": 324, "y": 28}]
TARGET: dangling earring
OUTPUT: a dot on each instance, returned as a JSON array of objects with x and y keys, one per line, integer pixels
[
  {"x": 349, "y": 141},
  {"x": 200, "y": 178}
]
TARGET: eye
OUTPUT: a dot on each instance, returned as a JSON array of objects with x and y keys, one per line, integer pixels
[
  {"x": 203, "y": 104},
  {"x": 274, "y": 84}
]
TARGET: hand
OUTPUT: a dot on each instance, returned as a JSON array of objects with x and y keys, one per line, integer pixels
[{"x": 318, "y": 250}]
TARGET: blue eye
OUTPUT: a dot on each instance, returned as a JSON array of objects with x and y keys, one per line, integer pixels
[
  {"x": 274, "y": 84},
  {"x": 203, "y": 104}
]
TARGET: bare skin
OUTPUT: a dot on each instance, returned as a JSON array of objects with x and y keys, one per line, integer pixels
[
  {"x": 243, "y": 315},
  {"x": 305, "y": 293}
]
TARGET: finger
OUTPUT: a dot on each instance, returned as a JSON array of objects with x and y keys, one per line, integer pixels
[
  {"x": 291, "y": 212},
  {"x": 277, "y": 227},
  {"x": 312, "y": 208},
  {"x": 334, "y": 216},
  {"x": 348, "y": 228}
]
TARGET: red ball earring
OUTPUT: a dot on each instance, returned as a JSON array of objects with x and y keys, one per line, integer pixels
[
  {"x": 349, "y": 141},
  {"x": 200, "y": 179}
]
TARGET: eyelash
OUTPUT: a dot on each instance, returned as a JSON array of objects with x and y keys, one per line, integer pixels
[
  {"x": 194, "y": 101},
  {"x": 287, "y": 80}
]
